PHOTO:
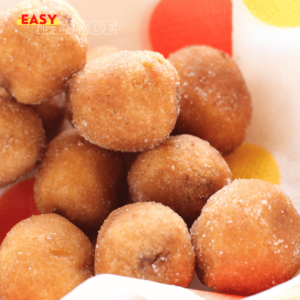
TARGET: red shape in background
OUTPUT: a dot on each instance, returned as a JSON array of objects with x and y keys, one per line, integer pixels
[
  {"x": 16, "y": 204},
  {"x": 178, "y": 23}
]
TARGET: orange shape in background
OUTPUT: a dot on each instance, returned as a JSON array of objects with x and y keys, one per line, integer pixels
[
  {"x": 251, "y": 161},
  {"x": 16, "y": 204},
  {"x": 178, "y": 23}
]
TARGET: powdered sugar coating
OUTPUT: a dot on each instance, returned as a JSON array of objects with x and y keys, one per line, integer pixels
[
  {"x": 146, "y": 241},
  {"x": 80, "y": 181},
  {"x": 44, "y": 257},
  {"x": 35, "y": 66},
  {"x": 215, "y": 103},
  {"x": 247, "y": 238},
  {"x": 125, "y": 101},
  {"x": 181, "y": 173},
  {"x": 22, "y": 140}
]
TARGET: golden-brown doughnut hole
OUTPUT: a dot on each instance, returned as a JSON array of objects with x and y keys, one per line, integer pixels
[
  {"x": 215, "y": 104},
  {"x": 181, "y": 173},
  {"x": 80, "y": 181},
  {"x": 125, "y": 101},
  {"x": 22, "y": 140},
  {"x": 247, "y": 238},
  {"x": 146, "y": 241},
  {"x": 44, "y": 257}
]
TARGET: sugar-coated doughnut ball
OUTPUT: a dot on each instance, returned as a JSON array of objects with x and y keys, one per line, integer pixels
[
  {"x": 181, "y": 173},
  {"x": 36, "y": 61},
  {"x": 125, "y": 101},
  {"x": 22, "y": 140},
  {"x": 100, "y": 51},
  {"x": 247, "y": 238},
  {"x": 146, "y": 241},
  {"x": 215, "y": 104},
  {"x": 80, "y": 181},
  {"x": 44, "y": 257},
  {"x": 52, "y": 113}
]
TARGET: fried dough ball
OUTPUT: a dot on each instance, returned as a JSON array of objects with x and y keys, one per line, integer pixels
[
  {"x": 22, "y": 140},
  {"x": 146, "y": 241},
  {"x": 215, "y": 104},
  {"x": 247, "y": 238},
  {"x": 125, "y": 101},
  {"x": 36, "y": 64},
  {"x": 52, "y": 113},
  {"x": 181, "y": 173},
  {"x": 44, "y": 257},
  {"x": 80, "y": 181},
  {"x": 100, "y": 51}
]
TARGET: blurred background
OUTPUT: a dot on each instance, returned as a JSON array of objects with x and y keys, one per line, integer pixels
[
  {"x": 263, "y": 36},
  {"x": 131, "y": 16}
]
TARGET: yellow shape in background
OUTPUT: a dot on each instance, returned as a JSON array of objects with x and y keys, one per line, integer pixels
[
  {"x": 279, "y": 13},
  {"x": 250, "y": 161}
]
